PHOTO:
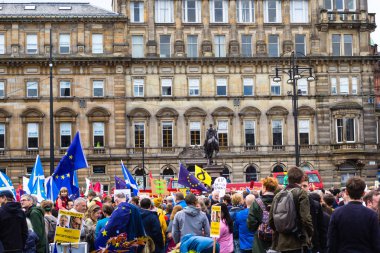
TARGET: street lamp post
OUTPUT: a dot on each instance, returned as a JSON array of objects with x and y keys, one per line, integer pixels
[
  {"x": 51, "y": 108},
  {"x": 294, "y": 73}
]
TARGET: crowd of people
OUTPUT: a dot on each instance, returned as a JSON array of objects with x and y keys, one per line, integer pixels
[{"x": 290, "y": 218}]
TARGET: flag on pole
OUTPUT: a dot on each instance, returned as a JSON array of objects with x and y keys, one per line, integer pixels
[
  {"x": 37, "y": 174},
  {"x": 39, "y": 190},
  {"x": 88, "y": 186},
  {"x": 186, "y": 179},
  {"x": 129, "y": 180},
  {"x": 98, "y": 187},
  {"x": 120, "y": 183},
  {"x": 202, "y": 175},
  {"x": 6, "y": 184},
  {"x": 51, "y": 189},
  {"x": 25, "y": 183},
  {"x": 19, "y": 192}
]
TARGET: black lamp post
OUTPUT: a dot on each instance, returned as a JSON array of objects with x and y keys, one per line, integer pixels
[
  {"x": 294, "y": 72},
  {"x": 51, "y": 108}
]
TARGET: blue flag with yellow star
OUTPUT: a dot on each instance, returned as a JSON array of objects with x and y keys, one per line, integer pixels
[
  {"x": 120, "y": 183},
  {"x": 185, "y": 178},
  {"x": 74, "y": 159}
]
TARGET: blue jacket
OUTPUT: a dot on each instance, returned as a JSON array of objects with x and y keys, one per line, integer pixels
[
  {"x": 153, "y": 228},
  {"x": 245, "y": 236},
  {"x": 31, "y": 242},
  {"x": 353, "y": 228},
  {"x": 234, "y": 210},
  {"x": 182, "y": 203},
  {"x": 199, "y": 244},
  {"x": 100, "y": 224}
]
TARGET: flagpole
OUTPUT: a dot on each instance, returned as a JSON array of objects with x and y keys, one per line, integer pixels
[{"x": 51, "y": 108}]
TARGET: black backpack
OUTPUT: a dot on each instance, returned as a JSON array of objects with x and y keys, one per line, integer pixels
[{"x": 52, "y": 225}]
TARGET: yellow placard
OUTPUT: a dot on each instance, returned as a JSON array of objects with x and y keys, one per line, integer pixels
[
  {"x": 184, "y": 191},
  {"x": 215, "y": 221},
  {"x": 69, "y": 225}
]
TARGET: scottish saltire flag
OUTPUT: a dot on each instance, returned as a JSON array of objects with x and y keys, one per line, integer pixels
[
  {"x": 120, "y": 183},
  {"x": 186, "y": 179},
  {"x": 51, "y": 189},
  {"x": 6, "y": 184},
  {"x": 129, "y": 180},
  {"x": 37, "y": 173},
  {"x": 25, "y": 183},
  {"x": 39, "y": 190}
]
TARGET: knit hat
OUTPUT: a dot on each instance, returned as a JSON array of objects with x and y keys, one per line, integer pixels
[{"x": 157, "y": 202}]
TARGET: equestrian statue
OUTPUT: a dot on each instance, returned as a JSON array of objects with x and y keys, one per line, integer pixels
[{"x": 211, "y": 144}]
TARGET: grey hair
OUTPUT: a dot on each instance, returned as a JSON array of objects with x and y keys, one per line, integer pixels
[
  {"x": 78, "y": 201},
  {"x": 28, "y": 196}
]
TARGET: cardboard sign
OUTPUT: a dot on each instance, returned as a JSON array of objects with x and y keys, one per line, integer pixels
[
  {"x": 220, "y": 185},
  {"x": 216, "y": 214},
  {"x": 127, "y": 192},
  {"x": 159, "y": 187},
  {"x": 69, "y": 226}
]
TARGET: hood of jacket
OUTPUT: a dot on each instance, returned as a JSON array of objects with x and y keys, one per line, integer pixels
[
  {"x": 146, "y": 213},
  {"x": 35, "y": 209},
  {"x": 191, "y": 210},
  {"x": 15, "y": 208}
]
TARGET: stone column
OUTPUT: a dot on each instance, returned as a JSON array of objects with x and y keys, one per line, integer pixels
[
  {"x": 81, "y": 38},
  {"x": 206, "y": 43},
  {"x": 46, "y": 35},
  {"x": 152, "y": 43},
  {"x": 288, "y": 45},
  {"x": 314, "y": 36},
  {"x": 261, "y": 46},
  {"x": 179, "y": 45},
  {"x": 233, "y": 49},
  {"x": 14, "y": 40}
]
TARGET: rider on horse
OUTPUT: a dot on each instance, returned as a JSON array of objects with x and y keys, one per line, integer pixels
[{"x": 211, "y": 143}]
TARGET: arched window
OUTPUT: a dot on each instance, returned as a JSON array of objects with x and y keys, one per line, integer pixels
[
  {"x": 278, "y": 168},
  {"x": 167, "y": 174},
  {"x": 226, "y": 174},
  {"x": 140, "y": 178},
  {"x": 250, "y": 174}
]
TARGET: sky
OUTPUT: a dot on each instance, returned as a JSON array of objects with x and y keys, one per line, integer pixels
[{"x": 106, "y": 4}]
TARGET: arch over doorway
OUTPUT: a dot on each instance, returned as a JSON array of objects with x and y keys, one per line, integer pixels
[{"x": 251, "y": 173}]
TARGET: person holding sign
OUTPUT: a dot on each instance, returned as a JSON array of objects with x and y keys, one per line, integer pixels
[{"x": 226, "y": 229}]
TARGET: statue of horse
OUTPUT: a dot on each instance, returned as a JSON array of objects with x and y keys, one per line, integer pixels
[{"x": 211, "y": 147}]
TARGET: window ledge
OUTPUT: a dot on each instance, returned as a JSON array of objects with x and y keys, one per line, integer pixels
[{"x": 32, "y": 98}]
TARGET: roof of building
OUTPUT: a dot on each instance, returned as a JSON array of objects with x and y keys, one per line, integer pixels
[{"x": 68, "y": 9}]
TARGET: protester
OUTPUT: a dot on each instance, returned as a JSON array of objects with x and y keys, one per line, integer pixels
[
  {"x": 353, "y": 227},
  {"x": 161, "y": 216},
  {"x": 170, "y": 242},
  {"x": 93, "y": 199},
  {"x": 168, "y": 212},
  {"x": 201, "y": 244},
  {"x": 32, "y": 239},
  {"x": 190, "y": 221},
  {"x": 215, "y": 198},
  {"x": 79, "y": 205},
  {"x": 328, "y": 203},
  {"x": 63, "y": 198},
  {"x": 36, "y": 216},
  {"x": 13, "y": 227},
  {"x": 323, "y": 227},
  {"x": 50, "y": 220},
  {"x": 135, "y": 200},
  {"x": 371, "y": 199},
  {"x": 245, "y": 236},
  {"x": 255, "y": 216},
  {"x": 291, "y": 239},
  {"x": 237, "y": 206},
  {"x": 70, "y": 204},
  {"x": 151, "y": 224},
  {"x": 202, "y": 206},
  {"x": 225, "y": 238},
  {"x": 180, "y": 199},
  {"x": 107, "y": 210},
  {"x": 227, "y": 200}
]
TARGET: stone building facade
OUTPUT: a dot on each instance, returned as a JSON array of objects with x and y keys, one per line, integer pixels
[{"x": 143, "y": 83}]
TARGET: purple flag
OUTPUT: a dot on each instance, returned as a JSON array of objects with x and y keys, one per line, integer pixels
[
  {"x": 185, "y": 178},
  {"x": 120, "y": 183}
]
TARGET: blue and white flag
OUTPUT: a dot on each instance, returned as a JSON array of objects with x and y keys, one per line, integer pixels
[
  {"x": 129, "y": 180},
  {"x": 39, "y": 190},
  {"x": 6, "y": 184},
  {"x": 37, "y": 173},
  {"x": 51, "y": 189}
]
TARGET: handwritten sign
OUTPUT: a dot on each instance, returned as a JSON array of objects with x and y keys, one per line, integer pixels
[
  {"x": 220, "y": 185},
  {"x": 215, "y": 221}
]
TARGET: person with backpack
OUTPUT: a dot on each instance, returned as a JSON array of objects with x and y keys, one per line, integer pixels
[
  {"x": 258, "y": 216},
  {"x": 245, "y": 236},
  {"x": 50, "y": 220},
  {"x": 289, "y": 216}
]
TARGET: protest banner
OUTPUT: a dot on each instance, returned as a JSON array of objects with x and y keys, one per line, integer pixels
[
  {"x": 127, "y": 192},
  {"x": 220, "y": 185},
  {"x": 68, "y": 227},
  {"x": 159, "y": 187},
  {"x": 215, "y": 221}
]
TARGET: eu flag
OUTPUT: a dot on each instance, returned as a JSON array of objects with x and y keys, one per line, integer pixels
[
  {"x": 185, "y": 178},
  {"x": 120, "y": 183}
]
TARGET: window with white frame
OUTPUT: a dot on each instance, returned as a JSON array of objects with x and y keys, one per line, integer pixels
[
  {"x": 195, "y": 133},
  {"x": 277, "y": 132},
  {"x": 2, "y": 89},
  {"x": 164, "y": 11},
  {"x": 345, "y": 130},
  {"x": 337, "y": 49},
  {"x": 137, "y": 46},
  {"x": 32, "y": 89},
  {"x": 139, "y": 128},
  {"x": 192, "y": 11},
  {"x": 167, "y": 134},
  {"x": 221, "y": 87},
  {"x": 344, "y": 85},
  {"x": 65, "y": 134},
  {"x": 248, "y": 87},
  {"x": 245, "y": 10},
  {"x": 246, "y": 45},
  {"x": 194, "y": 87},
  {"x": 137, "y": 12},
  {"x": 300, "y": 45},
  {"x": 299, "y": 11},
  {"x": 304, "y": 131},
  {"x": 303, "y": 87},
  {"x": 98, "y": 88},
  {"x": 32, "y": 135},
  {"x": 220, "y": 45},
  {"x": 138, "y": 87},
  {"x": 64, "y": 43},
  {"x": 272, "y": 11},
  {"x": 219, "y": 11},
  {"x": 31, "y": 44},
  {"x": 192, "y": 46},
  {"x": 98, "y": 134},
  {"x": 97, "y": 43},
  {"x": 2, "y": 136},
  {"x": 166, "y": 87},
  {"x": 2, "y": 44},
  {"x": 223, "y": 133},
  {"x": 273, "y": 46},
  {"x": 354, "y": 85},
  {"x": 164, "y": 45},
  {"x": 64, "y": 88},
  {"x": 275, "y": 88},
  {"x": 334, "y": 89},
  {"x": 340, "y": 5},
  {"x": 249, "y": 132}
]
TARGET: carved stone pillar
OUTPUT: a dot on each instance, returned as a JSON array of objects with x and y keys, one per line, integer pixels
[
  {"x": 179, "y": 45},
  {"x": 151, "y": 43}
]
